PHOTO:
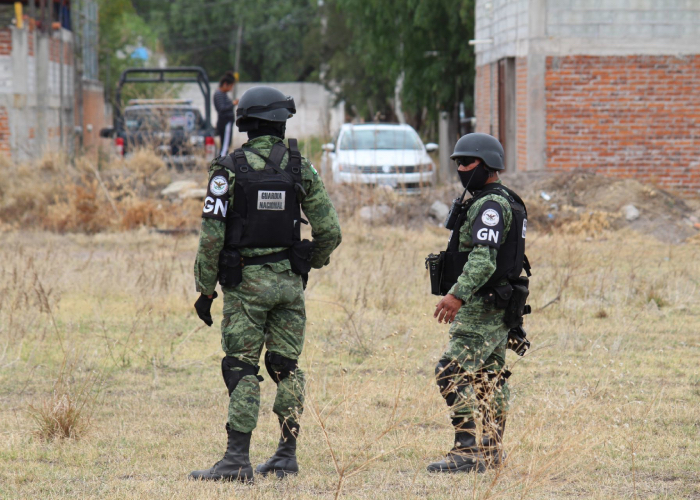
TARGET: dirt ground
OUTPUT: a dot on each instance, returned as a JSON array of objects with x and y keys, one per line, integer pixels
[{"x": 604, "y": 406}]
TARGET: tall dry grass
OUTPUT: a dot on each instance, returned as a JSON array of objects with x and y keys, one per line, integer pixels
[
  {"x": 604, "y": 406},
  {"x": 56, "y": 194}
]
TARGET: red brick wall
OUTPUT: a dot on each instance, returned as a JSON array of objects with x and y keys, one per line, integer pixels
[
  {"x": 626, "y": 116},
  {"x": 4, "y": 132},
  {"x": 30, "y": 32},
  {"x": 521, "y": 110},
  {"x": 55, "y": 51},
  {"x": 93, "y": 114},
  {"x": 482, "y": 102},
  {"x": 5, "y": 42}
]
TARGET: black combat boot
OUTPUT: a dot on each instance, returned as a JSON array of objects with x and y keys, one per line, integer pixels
[
  {"x": 284, "y": 461},
  {"x": 235, "y": 466},
  {"x": 492, "y": 442},
  {"x": 465, "y": 455}
]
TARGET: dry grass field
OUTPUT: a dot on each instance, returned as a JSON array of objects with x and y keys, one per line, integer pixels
[{"x": 101, "y": 328}]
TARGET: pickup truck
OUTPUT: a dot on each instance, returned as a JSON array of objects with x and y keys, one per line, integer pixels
[{"x": 173, "y": 128}]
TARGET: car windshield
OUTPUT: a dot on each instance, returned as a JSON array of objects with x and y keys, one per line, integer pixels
[
  {"x": 149, "y": 119},
  {"x": 380, "y": 139}
]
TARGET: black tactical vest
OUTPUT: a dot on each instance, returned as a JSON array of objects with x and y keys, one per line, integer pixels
[
  {"x": 510, "y": 259},
  {"x": 266, "y": 210}
]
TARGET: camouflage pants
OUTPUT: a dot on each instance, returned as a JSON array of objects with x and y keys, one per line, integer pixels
[
  {"x": 267, "y": 308},
  {"x": 478, "y": 340}
]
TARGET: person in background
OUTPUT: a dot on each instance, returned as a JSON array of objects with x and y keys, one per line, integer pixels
[{"x": 224, "y": 107}]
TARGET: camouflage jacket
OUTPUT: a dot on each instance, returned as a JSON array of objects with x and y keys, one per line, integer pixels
[
  {"x": 482, "y": 257},
  {"x": 317, "y": 207}
]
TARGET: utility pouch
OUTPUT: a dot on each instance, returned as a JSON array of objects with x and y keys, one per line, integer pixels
[
  {"x": 517, "y": 307},
  {"x": 230, "y": 270},
  {"x": 434, "y": 263},
  {"x": 502, "y": 295},
  {"x": 300, "y": 256}
]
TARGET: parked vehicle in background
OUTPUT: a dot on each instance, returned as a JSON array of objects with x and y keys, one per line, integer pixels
[
  {"x": 173, "y": 128},
  {"x": 380, "y": 154}
]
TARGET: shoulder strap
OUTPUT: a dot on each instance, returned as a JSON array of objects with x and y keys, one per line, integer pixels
[
  {"x": 277, "y": 153},
  {"x": 225, "y": 161},
  {"x": 527, "y": 266},
  {"x": 240, "y": 163}
]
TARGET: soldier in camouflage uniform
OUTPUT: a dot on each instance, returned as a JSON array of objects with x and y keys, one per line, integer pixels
[
  {"x": 471, "y": 374},
  {"x": 267, "y": 306}
]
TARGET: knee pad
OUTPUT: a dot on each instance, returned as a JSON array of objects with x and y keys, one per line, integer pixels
[
  {"x": 490, "y": 380},
  {"x": 450, "y": 378},
  {"x": 278, "y": 366},
  {"x": 232, "y": 377}
]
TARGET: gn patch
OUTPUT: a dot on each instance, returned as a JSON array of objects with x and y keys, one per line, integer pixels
[
  {"x": 488, "y": 225},
  {"x": 216, "y": 202},
  {"x": 271, "y": 200}
]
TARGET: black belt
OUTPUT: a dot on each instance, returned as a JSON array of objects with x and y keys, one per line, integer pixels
[{"x": 266, "y": 259}]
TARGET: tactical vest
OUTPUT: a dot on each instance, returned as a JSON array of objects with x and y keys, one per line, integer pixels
[
  {"x": 266, "y": 210},
  {"x": 510, "y": 260}
]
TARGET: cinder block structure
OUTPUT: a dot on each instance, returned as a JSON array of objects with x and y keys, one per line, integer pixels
[
  {"x": 50, "y": 96},
  {"x": 607, "y": 85}
]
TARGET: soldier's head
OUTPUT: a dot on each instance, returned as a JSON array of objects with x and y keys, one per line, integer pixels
[
  {"x": 479, "y": 157},
  {"x": 264, "y": 111}
]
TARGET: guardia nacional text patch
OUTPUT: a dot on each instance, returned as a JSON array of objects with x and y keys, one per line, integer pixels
[
  {"x": 216, "y": 201},
  {"x": 488, "y": 227},
  {"x": 271, "y": 200}
]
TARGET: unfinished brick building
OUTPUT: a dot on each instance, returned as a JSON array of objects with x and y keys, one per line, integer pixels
[
  {"x": 612, "y": 86},
  {"x": 50, "y": 96}
]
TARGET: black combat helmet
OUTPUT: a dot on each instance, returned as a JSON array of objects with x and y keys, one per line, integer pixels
[
  {"x": 264, "y": 103},
  {"x": 483, "y": 146}
]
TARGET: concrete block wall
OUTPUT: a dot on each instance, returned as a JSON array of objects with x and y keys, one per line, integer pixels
[
  {"x": 30, "y": 103},
  {"x": 506, "y": 22},
  {"x": 620, "y": 19}
]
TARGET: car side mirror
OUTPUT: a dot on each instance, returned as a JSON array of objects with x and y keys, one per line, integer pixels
[
  {"x": 330, "y": 147},
  {"x": 107, "y": 132},
  {"x": 431, "y": 147}
]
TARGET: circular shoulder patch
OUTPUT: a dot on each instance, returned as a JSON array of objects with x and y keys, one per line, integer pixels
[
  {"x": 490, "y": 217},
  {"x": 218, "y": 185}
]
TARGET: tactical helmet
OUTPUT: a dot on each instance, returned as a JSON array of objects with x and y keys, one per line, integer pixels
[
  {"x": 483, "y": 146},
  {"x": 264, "y": 103}
]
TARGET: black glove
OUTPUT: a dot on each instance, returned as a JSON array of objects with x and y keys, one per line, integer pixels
[{"x": 203, "y": 308}]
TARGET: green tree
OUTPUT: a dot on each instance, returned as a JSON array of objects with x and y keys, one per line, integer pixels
[
  {"x": 425, "y": 41},
  {"x": 280, "y": 38},
  {"x": 120, "y": 28}
]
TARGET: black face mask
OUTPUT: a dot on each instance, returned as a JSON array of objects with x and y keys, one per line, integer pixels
[{"x": 474, "y": 180}]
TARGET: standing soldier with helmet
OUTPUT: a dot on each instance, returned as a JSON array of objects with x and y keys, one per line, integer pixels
[
  {"x": 484, "y": 300},
  {"x": 250, "y": 242}
]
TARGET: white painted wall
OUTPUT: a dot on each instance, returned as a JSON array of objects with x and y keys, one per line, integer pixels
[{"x": 316, "y": 115}]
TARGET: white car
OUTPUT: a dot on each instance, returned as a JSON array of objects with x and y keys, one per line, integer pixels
[{"x": 382, "y": 155}]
